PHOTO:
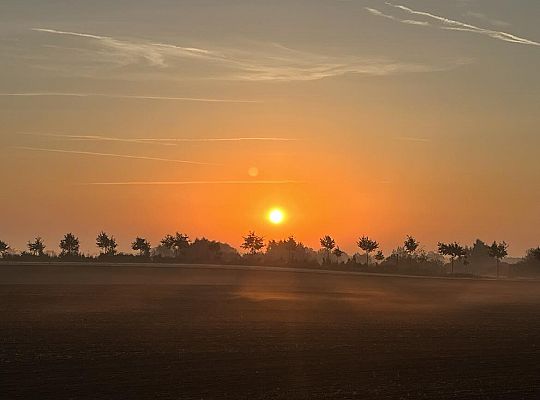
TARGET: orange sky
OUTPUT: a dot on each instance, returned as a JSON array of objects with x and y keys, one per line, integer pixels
[{"x": 388, "y": 128}]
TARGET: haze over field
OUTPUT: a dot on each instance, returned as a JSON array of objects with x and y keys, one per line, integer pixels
[{"x": 353, "y": 117}]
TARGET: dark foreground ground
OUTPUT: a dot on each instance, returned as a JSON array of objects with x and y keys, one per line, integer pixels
[{"x": 93, "y": 332}]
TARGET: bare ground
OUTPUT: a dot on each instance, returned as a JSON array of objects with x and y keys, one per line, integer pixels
[{"x": 94, "y": 332}]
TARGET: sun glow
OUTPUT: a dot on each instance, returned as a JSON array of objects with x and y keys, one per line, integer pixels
[{"x": 276, "y": 216}]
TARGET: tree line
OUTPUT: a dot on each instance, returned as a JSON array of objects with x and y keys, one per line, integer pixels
[{"x": 178, "y": 247}]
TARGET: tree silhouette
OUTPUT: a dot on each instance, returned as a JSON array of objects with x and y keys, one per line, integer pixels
[
  {"x": 291, "y": 245},
  {"x": 379, "y": 256},
  {"x": 3, "y": 248},
  {"x": 368, "y": 245},
  {"x": 452, "y": 250},
  {"x": 498, "y": 251},
  {"x": 398, "y": 253},
  {"x": 142, "y": 246},
  {"x": 106, "y": 244},
  {"x": 411, "y": 245},
  {"x": 69, "y": 245},
  {"x": 176, "y": 243},
  {"x": 36, "y": 247},
  {"x": 533, "y": 254},
  {"x": 328, "y": 244},
  {"x": 252, "y": 243},
  {"x": 338, "y": 253}
]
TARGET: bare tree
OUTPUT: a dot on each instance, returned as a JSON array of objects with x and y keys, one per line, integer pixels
[
  {"x": 498, "y": 251},
  {"x": 37, "y": 247},
  {"x": 69, "y": 245},
  {"x": 253, "y": 243},
  {"x": 142, "y": 246},
  {"x": 368, "y": 245},
  {"x": 328, "y": 245}
]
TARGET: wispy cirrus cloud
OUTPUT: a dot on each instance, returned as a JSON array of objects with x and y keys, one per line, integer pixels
[
  {"x": 254, "y": 62},
  {"x": 166, "y": 141},
  {"x": 128, "y": 97},
  {"x": 98, "y": 154},
  {"x": 414, "y": 139},
  {"x": 181, "y": 183},
  {"x": 483, "y": 17},
  {"x": 404, "y": 21},
  {"x": 153, "y": 53},
  {"x": 444, "y": 23}
]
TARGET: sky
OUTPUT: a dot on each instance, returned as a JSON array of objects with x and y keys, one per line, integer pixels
[{"x": 360, "y": 117}]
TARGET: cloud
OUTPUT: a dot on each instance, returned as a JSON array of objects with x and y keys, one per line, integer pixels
[
  {"x": 89, "y": 153},
  {"x": 254, "y": 62},
  {"x": 232, "y": 139},
  {"x": 121, "y": 96},
  {"x": 485, "y": 18},
  {"x": 165, "y": 141},
  {"x": 174, "y": 183},
  {"x": 404, "y": 21},
  {"x": 413, "y": 139},
  {"x": 148, "y": 51},
  {"x": 449, "y": 24}
]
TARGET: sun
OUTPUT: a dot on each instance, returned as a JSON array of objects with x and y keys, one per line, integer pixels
[{"x": 276, "y": 216}]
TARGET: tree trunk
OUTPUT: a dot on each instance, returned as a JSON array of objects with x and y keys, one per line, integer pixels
[
  {"x": 367, "y": 259},
  {"x": 452, "y": 266},
  {"x": 497, "y": 268}
]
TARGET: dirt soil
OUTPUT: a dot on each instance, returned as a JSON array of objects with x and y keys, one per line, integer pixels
[{"x": 134, "y": 332}]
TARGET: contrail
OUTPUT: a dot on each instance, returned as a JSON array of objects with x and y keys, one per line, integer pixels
[
  {"x": 414, "y": 139},
  {"x": 122, "y": 96},
  {"x": 85, "y": 35},
  {"x": 234, "y": 139},
  {"x": 173, "y": 183},
  {"x": 89, "y": 153},
  {"x": 404, "y": 21},
  {"x": 83, "y": 137},
  {"x": 164, "y": 141},
  {"x": 461, "y": 26}
]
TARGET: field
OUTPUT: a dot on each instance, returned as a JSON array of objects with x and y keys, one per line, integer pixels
[{"x": 193, "y": 332}]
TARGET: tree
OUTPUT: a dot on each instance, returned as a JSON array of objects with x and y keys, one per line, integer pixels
[
  {"x": 176, "y": 243},
  {"x": 452, "y": 250},
  {"x": 106, "y": 244},
  {"x": 379, "y": 256},
  {"x": 142, "y": 246},
  {"x": 338, "y": 253},
  {"x": 399, "y": 253},
  {"x": 69, "y": 245},
  {"x": 411, "y": 245},
  {"x": 3, "y": 248},
  {"x": 368, "y": 245},
  {"x": 498, "y": 251},
  {"x": 291, "y": 245},
  {"x": 328, "y": 244},
  {"x": 36, "y": 247},
  {"x": 533, "y": 254},
  {"x": 253, "y": 243}
]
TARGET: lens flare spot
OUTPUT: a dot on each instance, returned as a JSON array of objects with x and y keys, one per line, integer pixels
[{"x": 253, "y": 172}]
